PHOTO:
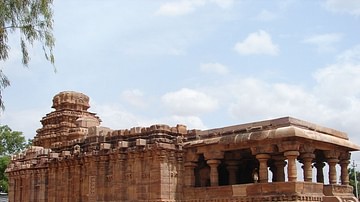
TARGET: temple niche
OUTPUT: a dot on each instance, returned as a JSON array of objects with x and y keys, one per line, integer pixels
[{"x": 75, "y": 159}]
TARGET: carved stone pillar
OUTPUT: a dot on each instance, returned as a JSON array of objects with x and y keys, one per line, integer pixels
[
  {"x": 292, "y": 171},
  {"x": 263, "y": 168},
  {"x": 306, "y": 159},
  {"x": 263, "y": 155},
  {"x": 232, "y": 168},
  {"x": 291, "y": 152},
  {"x": 332, "y": 170},
  {"x": 280, "y": 164},
  {"x": 214, "y": 175},
  {"x": 189, "y": 174},
  {"x": 344, "y": 172},
  {"x": 213, "y": 156},
  {"x": 332, "y": 160},
  {"x": 319, "y": 171},
  {"x": 344, "y": 163}
]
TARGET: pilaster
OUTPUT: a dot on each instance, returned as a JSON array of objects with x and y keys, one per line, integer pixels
[{"x": 189, "y": 174}]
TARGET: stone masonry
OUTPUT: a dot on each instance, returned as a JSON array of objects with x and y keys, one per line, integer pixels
[{"x": 75, "y": 159}]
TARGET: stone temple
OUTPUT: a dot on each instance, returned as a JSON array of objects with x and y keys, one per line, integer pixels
[{"x": 75, "y": 159}]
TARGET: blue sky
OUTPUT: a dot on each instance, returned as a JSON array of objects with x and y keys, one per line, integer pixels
[{"x": 203, "y": 63}]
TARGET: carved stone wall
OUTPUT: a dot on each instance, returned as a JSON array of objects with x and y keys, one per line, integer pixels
[{"x": 74, "y": 159}]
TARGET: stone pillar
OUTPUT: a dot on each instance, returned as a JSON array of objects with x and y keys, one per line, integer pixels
[
  {"x": 280, "y": 164},
  {"x": 180, "y": 175},
  {"x": 332, "y": 157},
  {"x": 344, "y": 172},
  {"x": 214, "y": 175},
  {"x": 332, "y": 170},
  {"x": 292, "y": 171},
  {"x": 263, "y": 168},
  {"x": 212, "y": 156},
  {"x": 319, "y": 172},
  {"x": 189, "y": 174},
  {"x": 344, "y": 163},
  {"x": 232, "y": 168},
  {"x": 307, "y": 167}
]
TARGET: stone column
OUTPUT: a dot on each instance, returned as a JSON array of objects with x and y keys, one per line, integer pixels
[
  {"x": 307, "y": 167},
  {"x": 332, "y": 157},
  {"x": 280, "y": 164},
  {"x": 291, "y": 152},
  {"x": 292, "y": 171},
  {"x": 319, "y": 172},
  {"x": 263, "y": 168},
  {"x": 344, "y": 172},
  {"x": 344, "y": 163},
  {"x": 232, "y": 167},
  {"x": 189, "y": 174},
  {"x": 332, "y": 170},
  {"x": 214, "y": 175},
  {"x": 180, "y": 175}
]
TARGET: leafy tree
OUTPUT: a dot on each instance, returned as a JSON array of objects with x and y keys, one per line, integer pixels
[
  {"x": 4, "y": 162},
  {"x": 352, "y": 179},
  {"x": 11, "y": 142},
  {"x": 33, "y": 20}
]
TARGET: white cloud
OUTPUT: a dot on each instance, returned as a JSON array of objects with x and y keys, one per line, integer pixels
[
  {"x": 266, "y": 16},
  {"x": 188, "y": 102},
  {"x": 191, "y": 122},
  {"x": 26, "y": 121},
  {"x": 333, "y": 101},
  {"x": 216, "y": 68},
  {"x": 115, "y": 117},
  {"x": 324, "y": 42},
  {"x": 350, "y": 56},
  {"x": 183, "y": 7},
  {"x": 351, "y": 7},
  {"x": 339, "y": 83},
  {"x": 257, "y": 43},
  {"x": 339, "y": 80},
  {"x": 134, "y": 97},
  {"x": 254, "y": 99}
]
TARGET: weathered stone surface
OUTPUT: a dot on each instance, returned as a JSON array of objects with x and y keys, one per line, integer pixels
[{"x": 76, "y": 159}]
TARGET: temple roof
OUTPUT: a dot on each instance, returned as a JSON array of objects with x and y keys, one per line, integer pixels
[{"x": 272, "y": 130}]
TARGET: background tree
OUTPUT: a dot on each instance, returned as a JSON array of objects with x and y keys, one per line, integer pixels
[
  {"x": 4, "y": 162},
  {"x": 352, "y": 179},
  {"x": 11, "y": 142},
  {"x": 33, "y": 20}
]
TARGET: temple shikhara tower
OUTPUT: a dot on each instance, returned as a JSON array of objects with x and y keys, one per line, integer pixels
[{"x": 75, "y": 159}]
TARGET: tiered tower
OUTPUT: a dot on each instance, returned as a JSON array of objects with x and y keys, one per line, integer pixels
[{"x": 69, "y": 121}]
